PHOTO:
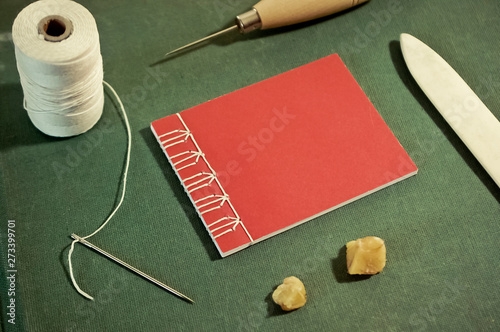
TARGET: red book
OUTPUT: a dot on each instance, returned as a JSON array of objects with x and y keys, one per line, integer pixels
[{"x": 273, "y": 155}]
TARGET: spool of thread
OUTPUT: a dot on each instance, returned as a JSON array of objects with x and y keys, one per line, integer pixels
[{"x": 60, "y": 66}]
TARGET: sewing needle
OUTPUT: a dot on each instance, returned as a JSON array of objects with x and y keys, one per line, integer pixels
[{"x": 131, "y": 268}]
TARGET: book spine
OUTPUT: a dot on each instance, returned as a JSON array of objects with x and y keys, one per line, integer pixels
[{"x": 200, "y": 181}]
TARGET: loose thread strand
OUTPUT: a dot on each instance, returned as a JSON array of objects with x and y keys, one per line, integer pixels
[
  {"x": 124, "y": 187},
  {"x": 79, "y": 290}
]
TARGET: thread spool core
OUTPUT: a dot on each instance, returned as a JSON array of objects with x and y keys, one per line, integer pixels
[{"x": 55, "y": 28}]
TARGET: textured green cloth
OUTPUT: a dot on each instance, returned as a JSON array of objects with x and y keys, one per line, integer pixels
[{"x": 441, "y": 226}]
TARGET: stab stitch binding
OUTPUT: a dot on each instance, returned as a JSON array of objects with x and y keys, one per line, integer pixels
[{"x": 201, "y": 180}]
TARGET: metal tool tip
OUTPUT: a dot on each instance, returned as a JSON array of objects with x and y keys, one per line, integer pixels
[{"x": 232, "y": 28}]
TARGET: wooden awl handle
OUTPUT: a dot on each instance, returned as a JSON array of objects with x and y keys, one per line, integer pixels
[{"x": 278, "y": 13}]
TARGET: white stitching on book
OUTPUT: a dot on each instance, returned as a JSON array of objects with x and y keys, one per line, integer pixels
[
  {"x": 196, "y": 154},
  {"x": 235, "y": 221},
  {"x": 185, "y": 133},
  {"x": 214, "y": 199},
  {"x": 201, "y": 180},
  {"x": 208, "y": 176}
]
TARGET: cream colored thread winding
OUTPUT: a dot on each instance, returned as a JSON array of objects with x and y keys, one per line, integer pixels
[
  {"x": 62, "y": 81},
  {"x": 124, "y": 187}
]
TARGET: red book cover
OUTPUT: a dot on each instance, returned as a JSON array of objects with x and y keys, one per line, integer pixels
[{"x": 275, "y": 154}]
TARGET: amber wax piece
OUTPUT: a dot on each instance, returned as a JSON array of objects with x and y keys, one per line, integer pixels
[
  {"x": 291, "y": 294},
  {"x": 366, "y": 255}
]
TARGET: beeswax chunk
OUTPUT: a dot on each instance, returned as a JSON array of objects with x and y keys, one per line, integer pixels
[
  {"x": 291, "y": 294},
  {"x": 366, "y": 255}
]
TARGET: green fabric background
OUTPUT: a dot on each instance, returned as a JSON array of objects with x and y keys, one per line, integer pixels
[{"x": 441, "y": 227}]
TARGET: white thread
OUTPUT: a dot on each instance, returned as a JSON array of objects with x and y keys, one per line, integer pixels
[
  {"x": 215, "y": 199},
  {"x": 208, "y": 176},
  {"x": 185, "y": 135},
  {"x": 191, "y": 155},
  {"x": 232, "y": 220},
  {"x": 211, "y": 176},
  {"x": 61, "y": 80},
  {"x": 236, "y": 222},
  {"x": 124, "y": 187},
  {"x": 225, "y": 232},
  {"x": 222, "y": 219}
]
